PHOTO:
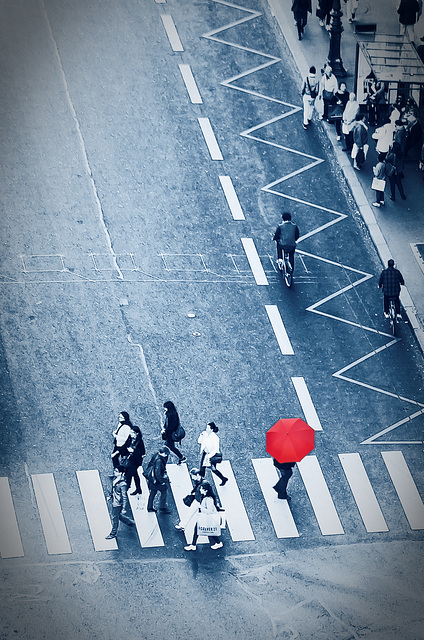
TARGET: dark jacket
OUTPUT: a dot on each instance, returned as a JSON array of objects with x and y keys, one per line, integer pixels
[
  {"x": 283, "y": 465},
  {"x": 137, "y": 450},
  {"x": 161, "y": 477},
  {"x": 407, "y": 11},
  {"x": 360, "y": 133},
  {"x": 390, "y": 281},
  {"x": 286, "y": 234},
  {"x": 300, "y": 8},
  {"x": 172, "y": 421}
]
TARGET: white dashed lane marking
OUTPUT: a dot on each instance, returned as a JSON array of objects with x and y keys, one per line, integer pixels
[
  {"x": 232, "y": 198},
  {"x": 171, "y": 32},
  {"x": 279, "y": 330},
  {"x": 190, "y": 84},
  {"x": 254, "y": 261}
]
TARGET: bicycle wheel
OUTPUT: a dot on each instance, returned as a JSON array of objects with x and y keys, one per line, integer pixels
[
  {"x": 393, "y": 318},
  {"x": 288, "y": 272}
]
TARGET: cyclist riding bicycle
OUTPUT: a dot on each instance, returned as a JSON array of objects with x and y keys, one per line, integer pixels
[
  {"x": 390, "y": 281},
  {"x": 285, "y": 236}
]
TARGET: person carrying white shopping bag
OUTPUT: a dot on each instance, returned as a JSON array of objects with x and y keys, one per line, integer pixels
[{"x": 208, "y": 520}]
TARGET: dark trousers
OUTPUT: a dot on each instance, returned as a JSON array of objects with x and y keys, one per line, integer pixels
[
  {"x": 289, "y": 251},
  {"x": 396, "y": 181},
  {"x": 281, "y": 486},
  {"x": 348, "y": 140},
  {"x": 132, "y": 472},
  {"x": 386, "y": 303},
  {"x": 170, "y": 443},
  {"x": 117, "y": 453},
  {"x": 153, "y": 489},
  {"x": 212, "y": 468},
  {"x": 117, "y": 516},
  {"x": 379, "y": 196},
  {"x": 213, "y": 539}
]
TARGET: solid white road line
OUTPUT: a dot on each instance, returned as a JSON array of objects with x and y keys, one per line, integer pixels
[
  {"x": 279, "y": 330},
  {"x": 181, "y": 485},
  {"x": 306, "y": 403},
  {"x": 171, "y": 32},
  {"x": 96, "y": 510},
  {"x": 210, "y": 139},
  {"x": 190, "y": 84},
  {"x": 229, "y": 495},
  {"x": 363, "y": 492},
  {"x": 405, "y": 488},
  {"x": 146, "y": 522},
  {"x": 279, "y": 510},
  {"x": 254, "y": 261},
  {"x": 319, "y": 495},
  {"x": 10, "y": 540},
  {"x": 51, "y": 515},
  {"x": 232, "y": 199}
]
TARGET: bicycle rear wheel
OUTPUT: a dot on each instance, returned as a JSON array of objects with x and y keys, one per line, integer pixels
[
  {"x": 393, "y": 318},
  {"x": 288, "y": 271}
]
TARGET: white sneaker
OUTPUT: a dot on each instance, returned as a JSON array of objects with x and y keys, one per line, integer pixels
[
  {"x": 217, "y": 545},
  {"x": 190, "y": 547},
  {"x": 321, "y": 23},
  {"x": 399, "y": 317},
  {"x": 375, "y": 204},
  {"x": 179, "y": 527},
  {"x": 386, "y": 315},
  {"x": 339, "y": 138}
]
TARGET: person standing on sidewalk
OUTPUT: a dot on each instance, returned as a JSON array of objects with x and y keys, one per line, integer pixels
[
  {"x": 379, "y": 180},
  {"x": 338, "y": 105},
  {"x": 119, "y": 502},
  {"x": 349, "y": 119},
  {"x": 390, "y": 282},
  {"x": 409, "y": 11},
  {"x": 360, "y": 142},
  {"x": 395, "y": 159},
  {"x": 327, "y": 88},
  {"x": 384, "y": 137},
  {"x": 209, "y": 451},
  {"x": 309, "y": 91},
  {"x": 209, "y": 518},
  {"x": 158, "y": 480},
  {"x": 352, "y": 6},
  {"x": 170, "y": 426},
  {"x": 285, "y": 471},
  {"x": 300, "y": 10}
]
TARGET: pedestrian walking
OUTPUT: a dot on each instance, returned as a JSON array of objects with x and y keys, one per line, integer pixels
[
  {"x": 120, "y": 503},
  {"x": 390, "y": 282},
  {"x": 309, "y": 91},
  {"x": 323, "y": 12},
  {"x": 351, "y": 9},
  {"x": 121, "y": 438},
  {"x": 360, "y": 142},
  {"x": 210, "y": 454},
  {"x": 136, "y": 453},
  {"x": 195, "y": 496},
  {"x": 349, "y": 119},
  {"x": 408, "y": 11},
  {"x": 379, "y": 181},
  {"x": 208, "y": 520},
  {"x": 337, "y": 107},
  {"x": 172, "y": 431},
  {"x": 395, "y": 159},
  {"x": 157, "y": 480},
  {"x": 300, "y": 10},
  {"x": 285, "y": 471},
  {"x": 327, "y": 88}
]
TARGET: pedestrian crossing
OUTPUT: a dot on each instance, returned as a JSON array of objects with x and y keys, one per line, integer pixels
[{"x": 283, "y": 518}]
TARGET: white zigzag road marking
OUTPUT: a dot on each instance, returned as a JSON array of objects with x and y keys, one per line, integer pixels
[{"x": 270, "y": 188}]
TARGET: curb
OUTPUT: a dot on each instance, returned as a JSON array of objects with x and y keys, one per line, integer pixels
[{"x": 282, "y": 18}]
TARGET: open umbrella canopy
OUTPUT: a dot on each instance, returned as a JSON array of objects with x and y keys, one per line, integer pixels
[{"x": 290, "y": 440}]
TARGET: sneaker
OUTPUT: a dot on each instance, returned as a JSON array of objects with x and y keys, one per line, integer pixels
[
  {"x": 305, "y": 126},
  {"x": 339, "y": 138},
  {"x": 223, "y": 482},
  {"x": 399, "y": 317},
  {"x": 375, "y": 204},
  {"x": 181, "y": 460},
  {"x": 321, "y": 118},
  {"x": 217, "y": 545},
  {"x": 134, "y": 493},
  {"x": 190, "y": 547},
  {"x": 179, "y": 527},
  {"x": 280, "y": 263},
  {"x": 321, "y": 23},
  {"x": 111, "y": 536},
  {"x": 382, "y": 203},
  {"x": 386, "y": 315}
]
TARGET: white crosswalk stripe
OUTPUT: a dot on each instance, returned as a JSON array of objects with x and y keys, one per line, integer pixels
[
  {"x": 51, "y": 515},
  {"x": 150, "y": 527}
]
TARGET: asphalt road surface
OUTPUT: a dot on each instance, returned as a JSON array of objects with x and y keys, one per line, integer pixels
[{"x": 148, "y": 150}]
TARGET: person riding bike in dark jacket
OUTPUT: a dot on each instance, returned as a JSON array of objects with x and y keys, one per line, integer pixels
[
  {"x": 286, "y": 235},
  {"x": 390, "y": 281}
]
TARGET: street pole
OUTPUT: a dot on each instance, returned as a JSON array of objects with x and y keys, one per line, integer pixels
[{"x": 336, "y": 29}]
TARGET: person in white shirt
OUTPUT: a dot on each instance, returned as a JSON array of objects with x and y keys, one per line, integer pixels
[
  {"x": 327, "y": 88},
  {"x": 209, "y": 448},
  {"x": 122, "y": 438}
]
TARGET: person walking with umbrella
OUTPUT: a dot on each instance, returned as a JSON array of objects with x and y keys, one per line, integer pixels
[{"x": 285, "y": 470}]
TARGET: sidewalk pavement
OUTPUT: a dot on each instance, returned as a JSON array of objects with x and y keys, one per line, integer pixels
[{"x": 397, "y": 229}]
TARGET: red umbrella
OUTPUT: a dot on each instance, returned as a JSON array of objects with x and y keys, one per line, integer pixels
[{"x": 290, "y": 440}]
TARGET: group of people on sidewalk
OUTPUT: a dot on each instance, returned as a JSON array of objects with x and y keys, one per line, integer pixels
[{"x": 127, "y": 458}]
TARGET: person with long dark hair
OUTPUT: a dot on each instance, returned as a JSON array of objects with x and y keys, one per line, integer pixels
[
  {"x": 208, "y": 507},
  {"x": 137, "y": 451},
  {"x": 209, "y": 448},
  {"x": 170, "y": 426},
  {"x": 122, "y": 438}
]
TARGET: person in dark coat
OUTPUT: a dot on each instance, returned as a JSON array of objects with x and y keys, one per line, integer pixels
[
  {"x": 360, "y": 142},
  {"x": 395, "y": 158},
  {"x": 337, "y": 106},
  {"x": 160, "y": 482},
  {"x": 391, "y": 281},
  {"x": 408, "y": 11},
  {"x": 285, "y": 471},
  {"x": 137, "y": 451},
  {"x": 300, "y": 10},
  {"x": 170, "y": 425},
  {"x": 323, "y": 12},
  {"x": 119, "y": 502}
]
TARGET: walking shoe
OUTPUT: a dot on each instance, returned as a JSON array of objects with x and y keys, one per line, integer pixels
[
  {"x": 181, "y": 460},
  {"x": 165, "y": 510},
  {"x": 190, "y": 547},
  {"x": 375, "y": 204},
  {"x": 134, "y": 493},
  {"x": 386, "y": 315},
  {"x": 111, "y": 536},
  {"x": 224, "y": 481},
  {"x": 179, "y": 527},
  {"x": 217, "y": 545},
  {"x": 152, "y": 510},
  {"x": 305, "y": 126},
  {"x": 398, "y": 316},
  {"x": 321, "y": 23},
  {"x": 339, "y": 138},
  {"x": 382, "y": 203}
]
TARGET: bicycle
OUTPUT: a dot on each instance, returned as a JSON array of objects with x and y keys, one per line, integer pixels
[{"x": 285, "y": 268}]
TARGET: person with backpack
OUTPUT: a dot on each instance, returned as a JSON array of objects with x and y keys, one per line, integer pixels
[
  {"x": 136, "y": 451},
  {"x": 309, "y": 92},
  {"x": 157, "y": 479},
  {"x": 286, "y": 235},
  {"x": 172, "y": 430}
]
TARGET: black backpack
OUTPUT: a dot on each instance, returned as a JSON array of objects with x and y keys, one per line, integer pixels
[{"x": 149, "y": 472}]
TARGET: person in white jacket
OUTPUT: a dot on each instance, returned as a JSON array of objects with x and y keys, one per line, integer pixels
[{"x": 209, "y": 447}]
